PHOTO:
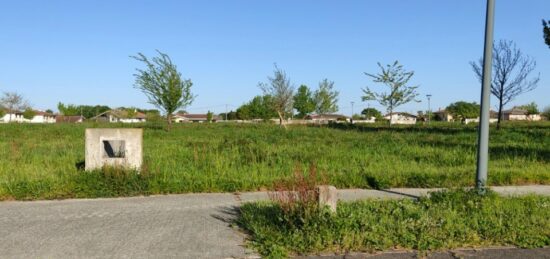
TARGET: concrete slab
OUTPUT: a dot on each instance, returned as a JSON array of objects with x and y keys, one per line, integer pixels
[{"x": 113, "y": 147}]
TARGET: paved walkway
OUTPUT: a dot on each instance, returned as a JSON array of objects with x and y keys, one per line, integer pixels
[{"x": 170, "y": 226}]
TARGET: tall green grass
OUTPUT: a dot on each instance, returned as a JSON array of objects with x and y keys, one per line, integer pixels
[
  {"x": 445, "y": 220},
  {"x": 43, "y": 161}
]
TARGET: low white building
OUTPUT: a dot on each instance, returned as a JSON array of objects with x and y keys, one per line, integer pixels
[
  {"x": 518, "y": 114},
  {"x": 400, "y": 118},
  {"x": 186, "y": 117},
  {"x": 326, "y": 118},
  {"x": 364, "y": 120},
  {"x": 39, "y": 117}
]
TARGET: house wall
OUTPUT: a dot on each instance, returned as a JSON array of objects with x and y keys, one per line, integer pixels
[
  {"x": 131, "y": 120},
  {"x": 20, "y": 119},
  {"x": 400, "y": 119},
  {"x": 514, "y": 117}
]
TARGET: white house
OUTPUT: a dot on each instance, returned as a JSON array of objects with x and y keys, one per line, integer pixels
[
  {"x": 114, "y": 116},
  {"x": 518, "y": 114},
  {"x": 39, "y": 117},
  {"x": 326, "y": 118},
  {"x": 365, "y": 120},
  {"x": 186, "y": 117},
  {"x": 400, "y": 118}
]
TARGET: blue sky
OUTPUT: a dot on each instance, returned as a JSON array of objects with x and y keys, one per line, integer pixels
[{"x": 78, "y": 51}]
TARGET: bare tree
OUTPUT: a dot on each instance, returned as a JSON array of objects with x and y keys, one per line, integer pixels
[
  {"x": 13, "y": 102},
  {"x": 511, "y": 69},
  {"x": 546, "y": 32},
  {"x": 163, "y": 85},
  {"x": 281, "y": 91}
]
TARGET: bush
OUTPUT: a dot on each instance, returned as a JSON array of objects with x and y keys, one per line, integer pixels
[{"x": 297, "y": 197}]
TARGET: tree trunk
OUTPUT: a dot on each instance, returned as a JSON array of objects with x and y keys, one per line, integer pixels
[
  {"x": 281, "y": 119},
  {"x": 391, "y": 115},
  {"x": 169, "y": 117},
  {"x": 499, "y": 114}
]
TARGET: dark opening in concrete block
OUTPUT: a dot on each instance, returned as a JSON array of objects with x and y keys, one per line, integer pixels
[{"x": 114, "y": 149}]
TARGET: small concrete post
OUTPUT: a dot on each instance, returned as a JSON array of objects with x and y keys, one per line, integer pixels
[{"x": 328, "y": 196}]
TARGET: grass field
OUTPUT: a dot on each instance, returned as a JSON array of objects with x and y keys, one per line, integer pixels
[
  {"x": 445, "y": 220},
  {"x": 43, "y": 161}
]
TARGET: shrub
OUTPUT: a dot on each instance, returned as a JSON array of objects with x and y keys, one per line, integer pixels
[{"x": 298, "y": 197}]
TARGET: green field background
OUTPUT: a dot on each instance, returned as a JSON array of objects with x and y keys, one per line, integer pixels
[{"x": 45, "y": 161}]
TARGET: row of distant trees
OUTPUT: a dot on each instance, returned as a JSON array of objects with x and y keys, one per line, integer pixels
[
  {"x": 90, "y": 111},
  {"x": 165, "y": 88},
  {"x": 11, "y": 102}
]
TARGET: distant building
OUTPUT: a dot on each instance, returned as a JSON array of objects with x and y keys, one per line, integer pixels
[
  {"x": 400, "y": 118},
  {"x": 123, "y": 116},
  {"x": 39, "y": 117},
  {"x": 326, "y": 118},
  {"x": 69, "y": 119},
  {"x": 443, "y": 115},
  {"x": 519, "y": 114},
  {"x": 186, "y": 117}
]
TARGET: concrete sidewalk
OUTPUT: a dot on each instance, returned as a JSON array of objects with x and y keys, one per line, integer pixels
[
  {"x": 407, "y": 193},
  {"x": 169, "y": 226}
]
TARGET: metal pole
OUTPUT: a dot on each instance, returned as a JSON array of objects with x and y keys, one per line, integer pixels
[
  {"x": 483, "y": 130},
  {"x": 429, "y": 109}
]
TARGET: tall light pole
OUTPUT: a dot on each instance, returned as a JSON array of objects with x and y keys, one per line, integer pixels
[
  {"x": 429, "y": 109},
  {"x": 483, "y": 138},
  {"x": 226, "y": 112}
]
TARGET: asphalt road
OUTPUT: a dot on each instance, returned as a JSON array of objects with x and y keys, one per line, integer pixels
[{"x": 182, "y": 226}]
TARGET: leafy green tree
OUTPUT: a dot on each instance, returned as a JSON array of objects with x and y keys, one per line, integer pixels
[
  {"x": 511, "y": 69},
  {"x": 130, "y": 113},
  {"x": 531, "y": 108},
  {"x": 463, "y": 110},
  {"x": 153, "y": 116},
  {"x": 68, "y": 110},
  {"x": 87, "y": 111},
  {"x": 546, "y": 31},
  {"x": 281, "y": 91},
  {"x": 49, "y": 111},
  {"x": 546, "y": 112},
  {"x": 303, "y": 101},
  {"x": 396, "y": 78},
  {"x": 163, "y": 85},
  {"x": 371, "y": 112},
  {"x": 2, "y": 112},
  {"x": 29, "y": 114},
  {"x": 260, "y": 107},
  {"x": 326, "y": 98},
  {"x": 209, "y": 116},
  {"x": 232, "y": 115}
]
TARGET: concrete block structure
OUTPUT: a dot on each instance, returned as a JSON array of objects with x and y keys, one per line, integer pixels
[
  {"x": 114, "y": 147},
  {"x": 328, "y": 196}
]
